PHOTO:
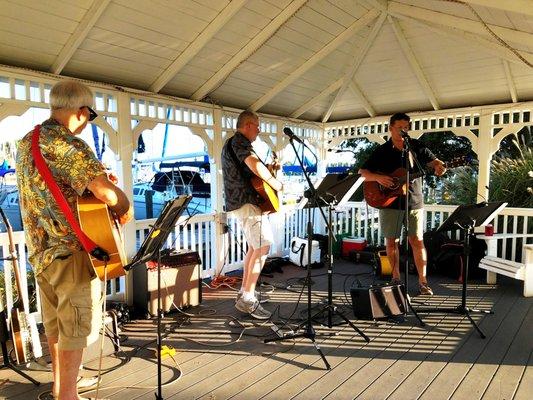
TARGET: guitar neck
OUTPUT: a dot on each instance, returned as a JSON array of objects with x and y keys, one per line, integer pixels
[{"x": 14, "y": 260}]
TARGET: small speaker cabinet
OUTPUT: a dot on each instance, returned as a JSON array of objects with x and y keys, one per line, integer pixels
[
  {"x": 181, "y": 285},
  {"x": 378, "y": 302}
]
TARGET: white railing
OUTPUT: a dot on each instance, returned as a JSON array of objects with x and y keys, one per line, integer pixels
[{"x": 198, "y": 233}]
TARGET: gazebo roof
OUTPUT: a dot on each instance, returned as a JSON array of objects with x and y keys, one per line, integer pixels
[{"x": 318, "y": 60}]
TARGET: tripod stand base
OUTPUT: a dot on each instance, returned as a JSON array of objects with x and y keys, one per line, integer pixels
[
  {"x": 23, "y": 374},
  {"x": 308, "y": 334},
  {"x": 7, "y": 363},
  {"x": 460, "y": 310},
  {"x": 333, "y": 310}
]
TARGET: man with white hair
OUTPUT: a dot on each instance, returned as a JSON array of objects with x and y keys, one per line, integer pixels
[
  {"x": 69, "y": 289},
  {"x": 239, "y": 164}
]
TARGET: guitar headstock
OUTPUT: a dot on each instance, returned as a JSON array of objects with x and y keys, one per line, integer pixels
[{"x": 275, "y": 161}]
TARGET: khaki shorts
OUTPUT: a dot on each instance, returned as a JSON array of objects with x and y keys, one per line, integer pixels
[
  {"x": 391, "y": 222},
  {"x": 70, "y": 301},
  {"x": 255, "y": 225}
]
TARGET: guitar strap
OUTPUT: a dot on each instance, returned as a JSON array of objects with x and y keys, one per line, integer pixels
[
  {"x": 240, "y": 164},
  {"x": 86, "y": 242}
]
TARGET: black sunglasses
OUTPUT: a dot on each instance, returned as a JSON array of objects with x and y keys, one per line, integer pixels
[{"x": 92, "y": 113}]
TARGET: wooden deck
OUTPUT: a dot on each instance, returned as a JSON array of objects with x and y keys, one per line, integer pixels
[{"x": 446, "y": 359}]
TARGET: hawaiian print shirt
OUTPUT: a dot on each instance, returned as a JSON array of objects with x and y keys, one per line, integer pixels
[{"x": 73, "y": 165}]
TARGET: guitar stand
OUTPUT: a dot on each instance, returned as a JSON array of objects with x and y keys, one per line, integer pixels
[{"x": 5, "y": 353}]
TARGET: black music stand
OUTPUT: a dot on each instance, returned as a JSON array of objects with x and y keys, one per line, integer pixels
[
  {"x": 335, "y": 190},
  {"x": 332, "y": 189},
  {"x": 467, "y": 218},
  {"x": 150, "y": 250}
]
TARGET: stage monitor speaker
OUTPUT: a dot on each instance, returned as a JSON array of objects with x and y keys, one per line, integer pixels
[
  {"x": 378, "y": 301},
  {"x": 181, "y": 285}
]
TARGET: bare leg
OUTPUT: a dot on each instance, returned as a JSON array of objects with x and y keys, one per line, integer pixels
[
  {"x": 246, "y": 268},
  {"x": 393, "y": 253},
  {"x": 54, "y": 356},
  {"x": 69, "y": 365},
  {"x": 256, "y": 261},
  {"x": 420, "y": 256}
]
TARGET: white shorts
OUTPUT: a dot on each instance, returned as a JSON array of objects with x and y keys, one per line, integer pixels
[{"x": 255, "y": 225}]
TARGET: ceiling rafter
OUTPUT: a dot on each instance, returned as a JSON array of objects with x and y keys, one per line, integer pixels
[
  {"x": 415, "y": 65},
  {"x": 326, "y": 92},
  {"x": 381, "y": 5},
  {"x": 248, "y": 49},
  {"x": 517, "y": 6},
  {"x": 321, "y": 54},
  {"x": 492, "y": 47},
  {"x": 355, "y": 65},
  {"x": 507, "y": 34},
  {"x": 362, "y": 97},
  {"x": 197, "y": 44},
  {"x": 79, "y": 34},
  {"x": 510, "y": 81}
]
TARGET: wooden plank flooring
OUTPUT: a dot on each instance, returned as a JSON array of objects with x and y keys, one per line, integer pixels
[{"x": 446, "y": 359}]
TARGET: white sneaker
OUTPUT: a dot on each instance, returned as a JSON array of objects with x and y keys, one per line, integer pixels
[
  {"x": 262, "y": 297},
  {"x": 253, "y": 308}
]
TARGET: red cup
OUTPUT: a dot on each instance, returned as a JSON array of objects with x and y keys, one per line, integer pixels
[{"x": 489, "y": 230}]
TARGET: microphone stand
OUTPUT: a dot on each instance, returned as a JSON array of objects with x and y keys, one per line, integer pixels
[
  {"x": 405, "y": 155},
  {"x": 312, "y": 196}
]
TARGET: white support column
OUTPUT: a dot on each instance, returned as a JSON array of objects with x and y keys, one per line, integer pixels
[
  {"x": 484, "y": 152},
  {"x": 277, "y": 220},
  {"x": 125, "y": 178},
  {"x": 220, "y": 238}
]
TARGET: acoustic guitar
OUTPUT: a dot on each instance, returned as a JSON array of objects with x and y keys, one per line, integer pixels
[
  {"x": 99, "y": 224},
  {"x": 379, "y": 196},
  {"x": 269, "y": 197},
  {"x": 24, "y": 332}
]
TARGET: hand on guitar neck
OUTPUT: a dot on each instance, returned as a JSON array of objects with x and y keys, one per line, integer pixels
[{"x": 381, "y": 190}]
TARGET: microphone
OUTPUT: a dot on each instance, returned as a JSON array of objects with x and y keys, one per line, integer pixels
[
  {"x": 404, "y": 134},
  {"x": 287, "y": 131}
]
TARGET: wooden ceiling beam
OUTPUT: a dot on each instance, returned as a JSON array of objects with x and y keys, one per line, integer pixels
[
  {"x": 510, "y": 81},
  {"x": 79, "y": 34},
  {"x": 317, "y": 57},
  {"x": 248, "y": 49},
  {"x": 197, "y": 44},
  {"x": 356, "y": 64},
  {"x": 417, "y": 69},
  {"x": 381, "y": 5},
  {"x": 517, "y": 6},
  {"x": 326, "y": 92},
  {"x": 471, "y": 38},
  {"x": 469, "y": 25},
  {"x": 362, "y": 97}
]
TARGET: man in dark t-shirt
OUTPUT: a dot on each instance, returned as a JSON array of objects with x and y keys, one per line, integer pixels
[
  {"x": 239, "y": 164},
  {"x": 386, "y": 159}
]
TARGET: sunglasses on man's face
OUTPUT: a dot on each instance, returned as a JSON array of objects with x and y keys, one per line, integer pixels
[{"x": 92, "y": 113}]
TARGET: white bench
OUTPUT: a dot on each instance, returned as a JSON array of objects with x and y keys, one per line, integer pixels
[{"x": 497, "y": 265}]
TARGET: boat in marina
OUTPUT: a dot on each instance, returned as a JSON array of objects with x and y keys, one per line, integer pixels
[{"x": 9, "y": 201}]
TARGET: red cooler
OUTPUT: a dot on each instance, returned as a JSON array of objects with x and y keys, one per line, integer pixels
[{"x": 352, "y": 244}]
